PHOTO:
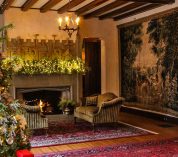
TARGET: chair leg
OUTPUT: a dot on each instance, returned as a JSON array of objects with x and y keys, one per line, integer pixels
[
  {"x": 46, "y": 131},
  {"x": 116, "y": 124},
  {"x": 93, "y": 124}
]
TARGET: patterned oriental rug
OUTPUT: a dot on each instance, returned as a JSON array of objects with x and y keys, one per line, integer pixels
[
  {"x": 65, "y": 131},
  {"x": 164, "y": 148}
]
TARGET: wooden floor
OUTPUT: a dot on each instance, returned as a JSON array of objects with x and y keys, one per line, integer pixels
[{"x": 132, "y": 119}]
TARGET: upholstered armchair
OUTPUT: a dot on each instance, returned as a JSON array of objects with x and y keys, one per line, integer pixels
[
  {"x": 35, "y": 119},
  {"x": 103, "y": 108}
]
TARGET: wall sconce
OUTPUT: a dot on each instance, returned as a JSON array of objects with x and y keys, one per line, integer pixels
[{"x": 69, "y": 25}]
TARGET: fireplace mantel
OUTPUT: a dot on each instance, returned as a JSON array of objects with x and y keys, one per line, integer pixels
[{"x": 40, "y": 81}]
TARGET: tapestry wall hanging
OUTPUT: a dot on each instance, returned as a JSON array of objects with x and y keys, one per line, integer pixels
[{"x": 149, "y": 64}]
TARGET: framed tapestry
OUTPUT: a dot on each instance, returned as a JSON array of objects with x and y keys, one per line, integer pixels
[{"x": 149, "y": 64}]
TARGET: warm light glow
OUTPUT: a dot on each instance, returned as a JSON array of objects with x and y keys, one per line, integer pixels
[
  {"x": 60, "y": 21},
  {"x": 67, "y": 20},
  {"x": 69, "y": 24},
  {"x": 83, "y": 55},
  {"x": 41, "y": 105},
  {"x": 77, "y": 20}
]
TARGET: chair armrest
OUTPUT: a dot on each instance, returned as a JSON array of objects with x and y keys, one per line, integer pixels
[
  {"x": 31, "y": 109},
  {"x": 113, "y": 102}
]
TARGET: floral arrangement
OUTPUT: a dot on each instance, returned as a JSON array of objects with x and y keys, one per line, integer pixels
[
  {"x": 66, "y": 103},
  {"x": 18, "y": 65}
]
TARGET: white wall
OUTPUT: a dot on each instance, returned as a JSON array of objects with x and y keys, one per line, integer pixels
[
  {"x": 106, "y": 30},
  {"x": 27, "y": 24}
]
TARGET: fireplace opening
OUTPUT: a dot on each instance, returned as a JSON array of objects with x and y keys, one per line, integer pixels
[{"x": 47, "y": 98}]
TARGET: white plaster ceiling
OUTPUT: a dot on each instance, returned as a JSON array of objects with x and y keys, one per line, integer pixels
[
  {"x": 39, "y": 3},
  {"x": 60, "y": 4},
  {"x": 18, "y": 3},
  {"x": 118, "y": 7},
  {"x": 81, "y": 5}
]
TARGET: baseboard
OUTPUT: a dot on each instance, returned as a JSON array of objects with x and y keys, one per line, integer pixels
[{"x": 150, "y": 114}]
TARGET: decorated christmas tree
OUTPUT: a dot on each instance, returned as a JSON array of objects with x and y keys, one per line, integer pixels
[{"x": 13, "y": 127}]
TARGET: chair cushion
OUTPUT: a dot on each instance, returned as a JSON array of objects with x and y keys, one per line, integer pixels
[
  {"x": 88, "y": 110},
  {"x": 105, "y": 97},
  {"x": 91, "y": 101}
]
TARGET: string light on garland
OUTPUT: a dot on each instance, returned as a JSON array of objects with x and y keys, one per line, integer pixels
[{"x": 17, "y": 65}]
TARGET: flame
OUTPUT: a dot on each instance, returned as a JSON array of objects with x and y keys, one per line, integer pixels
[{"x": 41, "y": 105}]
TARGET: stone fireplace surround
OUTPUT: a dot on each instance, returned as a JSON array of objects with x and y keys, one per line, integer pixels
[{"x": 24, "y": 83}]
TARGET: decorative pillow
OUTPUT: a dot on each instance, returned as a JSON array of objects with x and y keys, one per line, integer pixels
[
  {"x": 33, "y": 109},
  {"x": 105, "y": 97},
  {"x": 91, "y": 101}
]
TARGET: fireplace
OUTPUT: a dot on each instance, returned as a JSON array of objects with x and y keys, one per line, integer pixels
[
  {"x": 44, "y": 87},
  {"x": 47, "y": 98},
  {"x": 73, "y": 81}
]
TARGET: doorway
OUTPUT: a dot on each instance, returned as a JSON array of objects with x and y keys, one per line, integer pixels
[{"x": 92, "y": 57}]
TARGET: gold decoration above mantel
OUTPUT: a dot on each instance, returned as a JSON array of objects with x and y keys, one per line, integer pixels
[{"x": 36, "y": 49}]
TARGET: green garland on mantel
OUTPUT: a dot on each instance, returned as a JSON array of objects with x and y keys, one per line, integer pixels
[{"x": 18, "y": 65}]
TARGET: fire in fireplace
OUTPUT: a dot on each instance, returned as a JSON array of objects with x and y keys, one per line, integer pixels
[
  {"x": 47, "y": 98},
  {"x": 45, "y": 107}
]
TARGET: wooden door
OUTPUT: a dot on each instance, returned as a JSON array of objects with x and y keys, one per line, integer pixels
[{"x": 92, "y": 80}]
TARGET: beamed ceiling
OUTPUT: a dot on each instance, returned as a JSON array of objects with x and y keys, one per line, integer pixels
[{"x": 102, "y": 9}]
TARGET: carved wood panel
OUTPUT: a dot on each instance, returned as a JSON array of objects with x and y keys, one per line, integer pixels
[{"x": 36, "y": 49}]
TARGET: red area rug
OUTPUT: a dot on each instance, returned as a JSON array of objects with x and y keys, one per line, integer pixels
[
  {"x": 164, "y": 148},
  {"x": 64, "y": 131}
]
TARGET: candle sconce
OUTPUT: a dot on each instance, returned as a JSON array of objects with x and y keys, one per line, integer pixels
[{"x": 69, "y": 25}]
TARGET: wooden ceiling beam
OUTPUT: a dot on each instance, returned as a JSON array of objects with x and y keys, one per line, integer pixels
[
  {"x": 49, "y": 5},
  {"x": 104, "y": 9},
  {"x": 137, "y": 11},
  {"x": 90, "y": 6},
  {"x": 68, "y": 6},
  {"x": 5, "y": 5},
  {"x": 28, "y": 4},
  {"x": 152, "y": 1},
  {"x": 121, "y": 10}
]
